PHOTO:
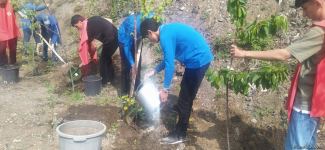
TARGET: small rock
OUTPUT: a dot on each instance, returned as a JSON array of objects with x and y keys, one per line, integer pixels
[
  {"x": 16, "y": 140},
  {"x": 13, "y": 114},
  {"x": 181, "y": 146},
  {"x": 182, "y": 8},
  {"x": 254, "y": 120},
  {"x": 195, "y": 10}
]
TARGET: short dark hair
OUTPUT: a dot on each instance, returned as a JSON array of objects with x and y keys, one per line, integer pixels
[
  {"x": 299, "y": 3},
  {"x": 149, "y": 24},
  {"x": 76, "y": 18}
]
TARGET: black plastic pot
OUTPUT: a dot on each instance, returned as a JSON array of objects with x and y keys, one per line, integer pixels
[
  {"x": 92, "y": 84},
  {"x": 10, "y": 74}
]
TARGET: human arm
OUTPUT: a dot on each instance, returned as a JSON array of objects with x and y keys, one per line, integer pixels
[
  {"x": 40, "y": 7},
  {"x": 33, "y": 7},
  {"x": 168, "y": 45},
  {"x": 275, "y": 54},
  {"x": 157, "y": 69},
  {"x": 92, "y": 49},
  {"x": 303, "y": 48}
]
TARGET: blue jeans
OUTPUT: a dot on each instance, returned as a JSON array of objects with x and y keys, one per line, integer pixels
[{"x": 302, "y": 132}]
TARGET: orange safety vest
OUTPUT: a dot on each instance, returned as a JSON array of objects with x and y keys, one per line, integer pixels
[{"x": 318, "y": 97}]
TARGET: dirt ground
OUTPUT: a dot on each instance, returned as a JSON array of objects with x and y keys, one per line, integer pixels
[
  {"x": 31, "y": 109},
  {"x": 26, "y": 119},
  {"x": 30, "y": 112}
]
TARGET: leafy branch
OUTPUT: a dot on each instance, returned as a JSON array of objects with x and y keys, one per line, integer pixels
[
  {"x": 130, "y": 108},
  {"x": 257, "y": 35},
  {"x": 154, "y": 6},
  {"x": 267, "y": 77}
]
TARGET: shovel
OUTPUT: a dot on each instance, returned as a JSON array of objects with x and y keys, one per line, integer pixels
[{"x": 51, "y": 48}]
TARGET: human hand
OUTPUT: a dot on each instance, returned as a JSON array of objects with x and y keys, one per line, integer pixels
[
  {"x": 80, "y": 65},
  {"x": 163, "y": 95},
  {"x": 236, "y": 52},
  {"x": 94, "y": 60},
  {"x": 149, "y": 74}
]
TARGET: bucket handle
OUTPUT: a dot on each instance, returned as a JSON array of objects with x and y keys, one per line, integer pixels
[{"x": 79, "y": 139}]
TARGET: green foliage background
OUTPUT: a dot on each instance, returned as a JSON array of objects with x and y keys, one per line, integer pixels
[{"x": 257, "y": 35}]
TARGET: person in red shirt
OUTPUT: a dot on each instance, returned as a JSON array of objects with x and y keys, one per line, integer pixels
[
  {"x": 101, "y": 29},
  {"x": 9, "y": 33}
]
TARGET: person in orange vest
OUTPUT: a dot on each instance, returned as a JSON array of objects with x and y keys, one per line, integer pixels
[
  {"x": 9, "y": 33},
  {"x": 306, "y": 102}
]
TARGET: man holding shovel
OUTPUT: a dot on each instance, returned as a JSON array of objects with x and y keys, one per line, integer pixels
[
  {"x": 102, "y": 30},
  {"x": 183, "y": 43},
  {"x": 306, "y": 101},
  {"x": 50, "y": 31}
]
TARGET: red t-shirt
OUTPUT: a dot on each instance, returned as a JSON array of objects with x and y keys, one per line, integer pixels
[{"x": 8, "y": 24}]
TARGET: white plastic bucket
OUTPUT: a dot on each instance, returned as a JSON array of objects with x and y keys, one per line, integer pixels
[
  {"x": 148, "y": 95},
  {"x": 81, "y": 135}
]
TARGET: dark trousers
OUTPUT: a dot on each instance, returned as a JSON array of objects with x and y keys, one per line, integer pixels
[
  {"x": 46, "y": 36},
  {"x": 189, "y": 86},
  {"x": 126, "y": 70},
  {"x": 106, "y": 62},
  {"x": 12, "y": 45}
]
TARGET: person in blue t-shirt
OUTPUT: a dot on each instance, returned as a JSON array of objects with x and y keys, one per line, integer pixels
[
  {"x": 185, "y": 44},
  {"x": 127, "y": 51},
  {"x": 25, "y": 13}
]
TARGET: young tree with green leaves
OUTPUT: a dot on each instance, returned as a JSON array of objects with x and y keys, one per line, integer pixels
[{"x": 256, "y": 36}]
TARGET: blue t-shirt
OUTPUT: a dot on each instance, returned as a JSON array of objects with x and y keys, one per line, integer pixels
[
  {"x": 185, "y": 44},
  {"x": 25, "y": 21},
  {"x": 126, "y": 35},
  {"x": 54, "y": 30}
]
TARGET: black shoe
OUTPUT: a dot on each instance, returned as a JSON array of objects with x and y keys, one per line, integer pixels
[
  {"x": 44, "y": 59},
  {"x": 173, "y": 139}
]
